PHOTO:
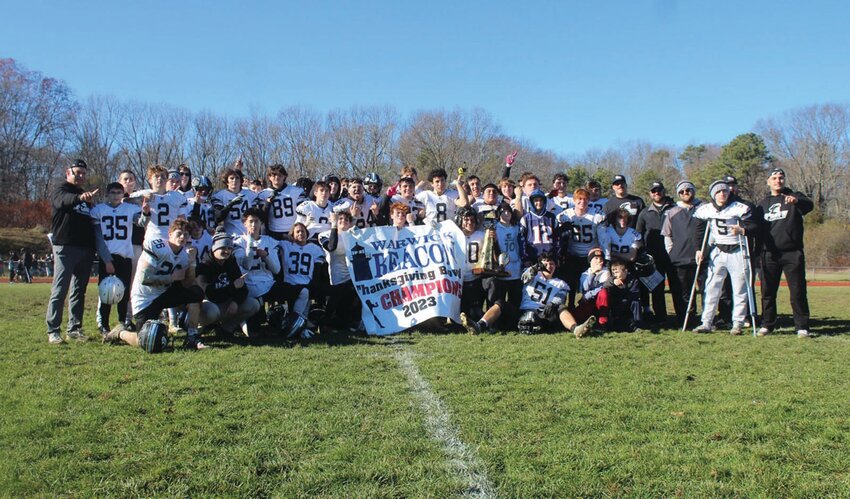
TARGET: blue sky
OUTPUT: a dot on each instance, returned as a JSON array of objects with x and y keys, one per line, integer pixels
[{"x": 569, "y": 76}]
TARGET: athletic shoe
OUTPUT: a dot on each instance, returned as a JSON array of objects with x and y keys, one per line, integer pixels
[
  {"x": 736, "y": 330},
  {"x": 55, "y": 338},
  {"x": 76, "y": 334},
  {"x": 585, "y": 328},
  {"x": 471, "y": 327},
  {"x": 803, "y": 333},
  {"x": 702, "y": 328},
  {"x": 306, "y": 334},
  {"x": 114, "y": 336},
  {"x": 194, "y": 344},
  {"x": 103, "y": 330},
  {"x": 763, "y": 331},
  {"x": 747, "y": 323},
  {"x": 130, "y": 326}
]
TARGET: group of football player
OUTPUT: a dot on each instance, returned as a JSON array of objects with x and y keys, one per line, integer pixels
[{"x": 265, "y": 251}]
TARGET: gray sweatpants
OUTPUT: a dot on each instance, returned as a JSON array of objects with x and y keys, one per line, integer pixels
[{"x": 71, "y": 269}]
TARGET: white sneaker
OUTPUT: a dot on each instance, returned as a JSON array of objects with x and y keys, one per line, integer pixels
[
  {"x": 585, "y": 328},
  {"x": 55, "y": 338},
  {"x": 803, "y": 333},
  {"x": 702, "y": 328},
  {"x": 763, "y": 331},
  {"x": 736, "y": 330}
]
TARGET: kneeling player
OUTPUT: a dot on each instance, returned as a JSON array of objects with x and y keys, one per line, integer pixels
[
  {"x": 165, "y": 278},
  {"x": 299, "y": 260}
]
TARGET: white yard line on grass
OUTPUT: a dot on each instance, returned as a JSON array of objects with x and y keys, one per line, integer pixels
[{"x": 438, "y": 422}]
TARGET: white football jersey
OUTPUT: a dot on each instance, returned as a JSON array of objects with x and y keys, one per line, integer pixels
[
  {"x": 562, "y": 203},
  {"x": 583, "y": 232},
  {"x": 508, "y": 237},
  {"x": 187, "y": 194},
  {"x": 720, "y": 220},
  {"x": 541, "y": 292},
  {"x": 483, "y": 208},
  {"x": 204, "y": 246},
  {"x": 205, "y": 211},
  {"x": 474, "y": 242},
  {"x": 414, "y": 204},
  {"x": 439, "y": 208},
  {"x": 315, "y": 217},
  {"x": 365, "y": 218},
  {"x": 298, "y": 261},
  {"x": 282, "y": 207},
  {"x": 233, "y": 221},
  {"x": 337, "y": 266},
  {"x": 165, "y": 209},
  {"x": 162, "y": 261},
  {"x": 597, "y": 206},
  {"x": 116, "y": 224},
  {"x": 259, "y": 270},
  {"x": 613, "y": 243}
]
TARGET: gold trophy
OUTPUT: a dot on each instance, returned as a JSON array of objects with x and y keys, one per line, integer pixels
[{"x": 490, "y": 261}]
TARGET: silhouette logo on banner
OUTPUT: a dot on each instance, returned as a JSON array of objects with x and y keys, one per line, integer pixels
[{"x": 360, "y": 263}]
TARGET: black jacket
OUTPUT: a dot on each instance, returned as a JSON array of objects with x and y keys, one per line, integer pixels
[
  {"x": 783, "y": 222},
  {"x": 217, "y": 280},
  {"x": 649, "y": 225},
  {"x": 71, "y": 224}
]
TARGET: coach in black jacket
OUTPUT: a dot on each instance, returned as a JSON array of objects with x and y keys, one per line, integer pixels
[
  {"x": 75, "y": 236},
  {"x": 649, "y": 224},
  {"x": 783, "y": 252}
]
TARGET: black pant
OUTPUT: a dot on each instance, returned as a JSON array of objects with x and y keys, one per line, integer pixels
[
  {"x": 681, "y": 281},
  {"x": 124, "y": 272},
  {"x": 793, "y": 263},
  {"x": 659, "y": 303},
  {"x": 573, "y": 267}
]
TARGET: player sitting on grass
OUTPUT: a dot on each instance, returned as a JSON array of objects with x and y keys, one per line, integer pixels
[
  {"x": 228, "y": 301},
  {"x": 594, "y": 297},
  {"x": 165, "y": 278},
  {"x": 542, "y": 305},
  {"x": 623, "y": 299}
]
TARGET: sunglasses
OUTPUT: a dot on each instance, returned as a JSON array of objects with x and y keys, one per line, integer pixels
[
  {"x": 184, "y": 174},
  {"x": 685, "y": 191}
]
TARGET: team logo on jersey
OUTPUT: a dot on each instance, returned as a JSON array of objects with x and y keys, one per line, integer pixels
[
  {"x": 775, "y": 213},
  {"x": 628, "y": 207}
]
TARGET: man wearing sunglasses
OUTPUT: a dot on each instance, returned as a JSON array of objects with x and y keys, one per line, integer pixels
[
  {"x": 75, "y": 236},
  {"x": 677, "y": 229},
  {"x": 649, "y": 225}
]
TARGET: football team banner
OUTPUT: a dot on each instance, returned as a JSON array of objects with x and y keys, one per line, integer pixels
[{"x": 406, "y": 276}]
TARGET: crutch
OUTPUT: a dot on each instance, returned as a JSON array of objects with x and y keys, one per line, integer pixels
[
  {"x": 744, "y": 243},
  {"x": 696, "y": 276}
]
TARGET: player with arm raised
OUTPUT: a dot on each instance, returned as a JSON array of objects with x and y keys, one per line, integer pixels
[
  {"x": 160, "y": 208},
  {"x": 440, "y": 203}
]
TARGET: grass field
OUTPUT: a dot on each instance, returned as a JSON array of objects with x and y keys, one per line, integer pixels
[{"x": 621, "y": 414}]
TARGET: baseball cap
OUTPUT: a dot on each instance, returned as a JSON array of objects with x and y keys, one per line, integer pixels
[
  {"x": 619, "y": 179},
  {"x": 777, "y": 171},
  {"x": 173, "y": 173},
  {"x": 656, "y": 186},
  {"x": 78, "y": 163},
  {"x": 729, "y": 179}
]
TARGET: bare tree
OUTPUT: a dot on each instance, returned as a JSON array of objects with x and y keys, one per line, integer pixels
[
  {"x": 212, "y": 143},
  {"x": 304, "y": 141},
  {"x": 154, "y": 134},
  {"x": 95, "y": 135},
  {"x": 35, "y": 112},
  {"x": 813, "y": 145},
  {"x": 362, "y": 140}
]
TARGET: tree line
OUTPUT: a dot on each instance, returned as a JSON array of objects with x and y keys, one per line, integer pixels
[{"x": 43, "y": 124}]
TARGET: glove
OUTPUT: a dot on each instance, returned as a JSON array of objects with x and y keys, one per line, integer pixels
[{"x": 529, "y": 274}]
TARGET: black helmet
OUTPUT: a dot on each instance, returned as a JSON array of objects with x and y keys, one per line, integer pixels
[
  {"x": 372, "y": 178},
  {"x": 201, "y": 182}
]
